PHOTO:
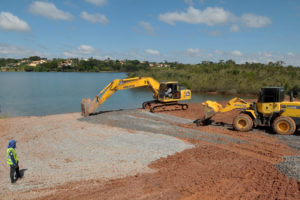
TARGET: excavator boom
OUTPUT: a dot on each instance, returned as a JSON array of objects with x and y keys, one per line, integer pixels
[{"x": 88, "y": 106}]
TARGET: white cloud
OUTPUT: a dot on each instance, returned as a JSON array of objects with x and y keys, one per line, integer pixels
[
  {"x": 266, "y": 54},
  {"x": 236, "y": 53},
  {"x": 255, "y": 21},
  {"x": 291, "y": 54},
  {"x": 190, "y": 55},
  {"x": 237, "y": 56},
  {"x": 234, "y": 28},
  {"x": 49, "y": 10},
  {"x": 267, "y": 57},
  {"x": 85, "y": 49},
  {"x": 7, "y": 50},
  {"x": 94, "y": 18},
  {"x": 70, "y": 54},
  {"x": 152, "y": 52},
  {"x": 10, "y": 22},
  {"x": 147, "y": 27},
  {"x": 210, "y": 16},
  {"x": 189, "y": 2},
  {"x": 97, "y": 2},
  {"x": 193, "y": 52},
  {"x": 218, "y": 52},
  {"x": 81, "y": 51}
]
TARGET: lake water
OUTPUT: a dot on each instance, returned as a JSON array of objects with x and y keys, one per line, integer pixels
[{"x": 44, "y": 93}]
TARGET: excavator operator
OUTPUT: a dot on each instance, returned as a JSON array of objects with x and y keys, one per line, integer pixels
[{"x": 169, "y": 92}]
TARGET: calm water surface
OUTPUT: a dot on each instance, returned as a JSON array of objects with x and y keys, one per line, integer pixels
[{"x": 44, "y": 93}]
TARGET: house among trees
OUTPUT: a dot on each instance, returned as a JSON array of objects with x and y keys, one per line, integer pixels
[
  {"x": 38, "y": 62},
  {"x": 65, "y": 63}
]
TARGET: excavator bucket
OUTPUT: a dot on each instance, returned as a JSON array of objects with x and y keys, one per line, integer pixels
[{"x": 88, "y": 106}]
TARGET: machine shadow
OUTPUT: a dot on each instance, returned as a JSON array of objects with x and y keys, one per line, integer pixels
[
  {"x": 267, "y": 130},
  {"x": 22, "y": 172},
  {"x": 102, "y": 112}
]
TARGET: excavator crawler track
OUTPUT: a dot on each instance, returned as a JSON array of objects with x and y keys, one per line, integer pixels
[{"x": 157, "y": 106}]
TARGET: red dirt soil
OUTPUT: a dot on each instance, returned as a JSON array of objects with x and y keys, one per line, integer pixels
[
  {"x": 204, "y": 172},
  {"x": 208, "y": 171}
]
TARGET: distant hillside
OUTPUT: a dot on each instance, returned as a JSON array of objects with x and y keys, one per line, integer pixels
[{"x": 227, "y": 77}]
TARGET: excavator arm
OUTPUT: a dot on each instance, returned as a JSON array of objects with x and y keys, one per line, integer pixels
[
  {"x": 212, "y": 107},
  {"x": 88, "y": 106}
]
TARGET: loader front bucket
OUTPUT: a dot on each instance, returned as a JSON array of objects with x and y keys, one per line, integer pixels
[
  {"x": 88, "y": 106},
  {"x": 209, "y": 112}
]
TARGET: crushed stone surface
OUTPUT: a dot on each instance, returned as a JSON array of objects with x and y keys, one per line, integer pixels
[
  {"x": 163, "y": 124},
  {"x": 61, "y": 148},
  {"x": 290, "y": 166}
]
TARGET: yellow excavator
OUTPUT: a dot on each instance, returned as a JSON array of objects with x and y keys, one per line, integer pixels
[
  {"x": 270, "y": 110},
  {"x": 165, "y": 94}
]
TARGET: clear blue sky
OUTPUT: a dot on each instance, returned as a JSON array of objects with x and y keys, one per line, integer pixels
[{"x": 187, "y": 31}]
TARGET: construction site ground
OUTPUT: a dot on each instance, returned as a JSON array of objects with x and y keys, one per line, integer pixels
[{"x": 136, "y": 154}]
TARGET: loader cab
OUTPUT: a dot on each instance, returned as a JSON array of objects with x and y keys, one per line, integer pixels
[
  {"x": 169, "y": 90},
  {"x": 271, "y": 94},
  {"x": 269, "y": 100}
]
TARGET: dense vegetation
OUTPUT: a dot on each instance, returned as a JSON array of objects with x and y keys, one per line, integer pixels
[
  {"x": 228, "y": 77},
  {"x": 89, "y": 65},
  {"x": 222, "y": 77}
]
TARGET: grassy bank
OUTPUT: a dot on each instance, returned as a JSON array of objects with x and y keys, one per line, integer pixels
[{"x": 228, "y": 77}]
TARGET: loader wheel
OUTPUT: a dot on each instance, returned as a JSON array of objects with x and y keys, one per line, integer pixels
[
  {"x": 242, "y": 122},
  {"x": 284, "y": 125}
]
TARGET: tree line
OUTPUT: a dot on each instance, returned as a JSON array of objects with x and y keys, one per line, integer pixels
[
  {"x": 77, "y": 65},
  {"x": 227, "y": 77}
]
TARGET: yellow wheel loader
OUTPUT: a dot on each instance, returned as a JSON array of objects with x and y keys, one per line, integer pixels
[
  {"x": 270, "y": 110},
  {"x": 165, "y": 94}
]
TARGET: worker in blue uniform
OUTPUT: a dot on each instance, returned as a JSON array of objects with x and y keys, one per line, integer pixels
[{"x": 12, "y": 160}]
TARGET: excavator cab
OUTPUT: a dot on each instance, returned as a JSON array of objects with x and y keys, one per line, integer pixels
[{"x": 169, "y": 90}]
